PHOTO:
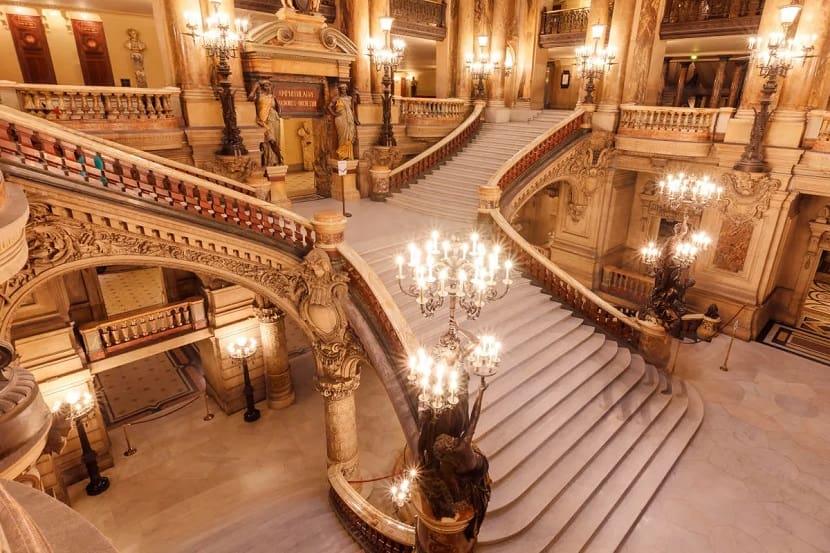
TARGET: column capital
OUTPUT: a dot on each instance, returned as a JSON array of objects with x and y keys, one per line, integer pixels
[
  {"x": 269, "y": 314},
  {"x": 335, "y": 390}
]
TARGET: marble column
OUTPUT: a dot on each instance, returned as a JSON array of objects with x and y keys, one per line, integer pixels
[
  {"x": 279, "y": 390},
  {"x": 528, "y": 56},
  {"x": 190, "y": 63},
  {"x": 377, "y": 9},
  {"x": 717, "y": 85},
  {"x": 820, "y": 93},
  {"x": 341, "y": 431},
  {"x": 735, "y": 86},
  {"x": 496, "y": 111},
  {"x": 682, "y": 72},
  {"x": 754, "y": 81},
  {"x": 465, "y": 46},
  {"x": 640, "y": 63},
  {"x": 357, "y": 28},
  {"x": 605, "y": 118}
]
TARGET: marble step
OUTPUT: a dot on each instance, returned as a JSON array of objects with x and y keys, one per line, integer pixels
[
  {"x": 451, "y": 196},
  {"x": 627, "y": 510},
  {"x": 577, "y": 440},
  {"x": 577, "y": 489},
  {"x": 437, "y": 207}
]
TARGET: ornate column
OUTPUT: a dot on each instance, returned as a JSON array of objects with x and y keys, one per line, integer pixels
[
  {"x": 279, "y": 390},
  {"x": 190, "y": 64},
  {"x": 496, "y": 111},
  {"x": 639, "y": 63},
  {"x": 377, "y": 9},
  {"x": 337, "y": 352},
  {"x": 357, "y": 28},
  {"x": 717, "y": 85},
  {"x": 735, "y": 86},
  {"x": 622, "y": 20},
  {"x": 464, "y": 46},
  {"x": 527, "y": 52},
  {"x": 682, "y": 72}
]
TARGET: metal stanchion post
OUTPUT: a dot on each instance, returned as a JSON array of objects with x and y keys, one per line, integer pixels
[
  {"x": 725, "y": 366},
  {"x": 130, "y": 451},
  {"x": 208, "y": 415}
]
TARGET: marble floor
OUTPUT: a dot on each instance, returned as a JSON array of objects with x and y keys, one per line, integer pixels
[
  {"x": 756, "y": 478},
  {"x": 226, "y": 486}
]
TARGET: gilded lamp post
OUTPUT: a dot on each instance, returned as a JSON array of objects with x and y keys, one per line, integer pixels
[{"x": 386, "y": 54}]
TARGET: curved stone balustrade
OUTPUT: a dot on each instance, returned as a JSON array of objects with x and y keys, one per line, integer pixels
[
  {"x": 522, "y": 161},
  {"x": 373, "y": 529},
  {"x": 14, "y": 212},
  {"x": 25, "y": 420},
  {"x": 674, "y": 123},
  {"x": 401, "y": 176},
  {"x": 72, "y": 104},
  {"x": 36, "y": 144},
  {"x": 432, "y": 117},
  {"x": 627, "y": 285}
]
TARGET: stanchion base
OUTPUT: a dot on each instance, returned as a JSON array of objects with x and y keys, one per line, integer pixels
[
  {"x": 97, "y": 487},
  {"x": 346, "y": 214},
  {"x": 724, "y": 368},
  {"x": 130, "y": 452},
  {"x": 208, "y": 417},
  {"x": 252, "y": 415}
]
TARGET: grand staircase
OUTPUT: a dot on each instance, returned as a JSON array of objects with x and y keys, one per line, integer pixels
[
  {"x": 450, "y": 191},
  {"x": 577, "y": 431}
]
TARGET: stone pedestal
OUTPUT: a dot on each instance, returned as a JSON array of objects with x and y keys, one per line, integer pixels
[
  {"x": 276, "y": 177},
  {"x": 279, "y": 390},
  {"x": 655, "y": 344},
  {"x": 497, "y": 112},
  {"x": 605, "y": 117},
  {"x": 381, "y": 168},
  {"x": 329, "y": 227},
  {"x": 440, "y": 536},
  {"x": 345, "y": 186},
  {"x": 521, "y": 110}
]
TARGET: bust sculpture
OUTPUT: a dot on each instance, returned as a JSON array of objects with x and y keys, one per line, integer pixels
[{"x": 136, "y": 48}]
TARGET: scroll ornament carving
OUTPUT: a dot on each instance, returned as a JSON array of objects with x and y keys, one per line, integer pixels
[
  {"x": 285, "y": 35},
  {"x": 56, "y": 240},
  {"x": 337, "y": 352},
  {"x": 747, "y": 196},
  {"x": 589, "y": 167}
]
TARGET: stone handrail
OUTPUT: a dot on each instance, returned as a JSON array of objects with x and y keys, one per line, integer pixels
[
  {"x": 433, "y": 108},
  {"x": 383, "y": 313},
  {"x": 438, "y": 152},
  {"x": 675, "y": 123},
  {"x": 538, "y": 149},
  {"x": 24, "y": 420},
  {"x": 139, "y": 327},
  {"x": 69, "y": 103},
  {"x": 563, "y": 286},
  {"x": 628, "y": 285},
  {"x": 373, "y": 529},
  {"x": 49, "y": 147}
]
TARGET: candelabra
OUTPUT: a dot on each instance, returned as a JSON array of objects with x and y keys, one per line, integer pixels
[
  {"x": 462, "y": 274},
  {"x": 77, "y": 406},
  {"x": 774, "y": 56},
  {"x": 242, "y": 349},
  {"x": 594, "y": 61},
  {"x": 386, "y": 54},
  {"x": 486, "y": 64},
  {"x": 221, "y": 41},
  {"x": 669, "y": 262},
  {"x": 401, "y": 488}
]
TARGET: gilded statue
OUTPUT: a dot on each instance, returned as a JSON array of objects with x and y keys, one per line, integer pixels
[
  {"x": 136, "y": 47},
  {"x": 307, "y": 145},
  {"x": 268, "y": 117},
  {"x": 342, "y": 109}
]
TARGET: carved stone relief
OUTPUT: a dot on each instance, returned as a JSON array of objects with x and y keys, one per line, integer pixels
[{"x": 733, "y": 245}]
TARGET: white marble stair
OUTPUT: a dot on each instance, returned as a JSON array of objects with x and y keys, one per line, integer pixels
[
  {"x": 450, "y": 191},
  {"x": 577, "y": 431}
]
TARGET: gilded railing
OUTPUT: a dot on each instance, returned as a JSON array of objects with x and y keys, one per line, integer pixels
[
  {"x": 420, "y": 18},
  {"x": 51, "y": 148},
  {"x": 674, "y": 123},
  {"x": 584, "y": 302},
  {"x": 538, "y": 150},
  {"x": 68, "y": 103},
  {"x": 401, "y": 176},
  {"x": 140, "y": 327},
  {"x": 565, "y": 21},
  {"x": 628, "y": 285},
  {"x": 433, "y": 108},
  {"x": 688, "y": 18},
  {"x": 374, "y": 530}
]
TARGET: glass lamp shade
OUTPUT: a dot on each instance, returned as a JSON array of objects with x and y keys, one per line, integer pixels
[
  {"x": 789, "y": 12},
  {"x": 483, "y": 40},
  {"x": 597, "y": 30},
  {"x": 386, "y": 23}
]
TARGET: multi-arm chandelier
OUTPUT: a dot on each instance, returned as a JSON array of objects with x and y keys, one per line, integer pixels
[
  {"x": 683, "y": 192},
  {"x": 464, "y": 274},
  {"x": 485, "y": 64},
  {"x": 386, "y": 52},
  {"x": 774, "y": 54},
  {"x": 217, "y": 36},
  {"x": 594, "y": 61}
]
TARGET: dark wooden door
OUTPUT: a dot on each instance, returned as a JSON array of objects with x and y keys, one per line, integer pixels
[
  {"x": 92, "y": 52},
  {"x": 29, "y": 38}
]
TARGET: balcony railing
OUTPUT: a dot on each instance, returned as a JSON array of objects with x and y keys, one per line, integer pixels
[
  {"x": 138, "y": 328},
  {"x": 432, "y": 117},
  {"x": 84, "y": 105},
  {"x": 630, "y": 286},
  {"x": 670, "y": 123},
  {"x": 689, "y": 18},
  {"x": 419, "y": 18},
  {"x": 563, "y": 27}
]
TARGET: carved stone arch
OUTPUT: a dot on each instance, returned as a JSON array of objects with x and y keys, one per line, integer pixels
[
  {"x": 281, "y": 33},
  {"x": 567, "y": 182}
]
